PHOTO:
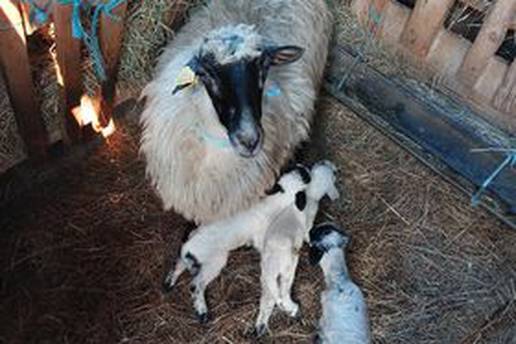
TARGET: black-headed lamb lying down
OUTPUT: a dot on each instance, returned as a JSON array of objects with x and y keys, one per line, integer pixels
[
  {"x": 206, "y": 251},
  {"x": 232, "y": 98},
  {"x": 283, "y": 241},
  {"x": 344, "y": 311}
]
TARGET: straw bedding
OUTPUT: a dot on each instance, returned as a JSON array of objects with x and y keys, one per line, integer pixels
[
  {"x": 82, "y": 256},
  {"x": 11, "y": 145}
]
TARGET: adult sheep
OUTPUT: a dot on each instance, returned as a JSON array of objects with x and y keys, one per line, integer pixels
[{"x": 233, "y": 96}]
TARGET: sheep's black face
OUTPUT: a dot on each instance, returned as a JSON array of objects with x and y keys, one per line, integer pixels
[{"x": 236, "y": 91}]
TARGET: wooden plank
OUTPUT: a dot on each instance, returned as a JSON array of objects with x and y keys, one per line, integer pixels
[
  {"x": 447, "y": 53},
  {"x": 111, "y": 36},
  {"x": 395, "y": 17},
  {"x": 370, "y": 13},
  {"x": 424, "y": 24},
  {"x": 505, "y": 98},
  {"x": 70, "y": 68},
  {"x": 15, "y": 64},
  {"x": 488, "y": 41},
  {"x": 436, "y": 129}
]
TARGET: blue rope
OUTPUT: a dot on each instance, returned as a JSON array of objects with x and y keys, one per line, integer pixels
[
  {"x": 91, "y": 39},
  {"x": 37, "y": 14},
  {"x": 510, "y": 160}
]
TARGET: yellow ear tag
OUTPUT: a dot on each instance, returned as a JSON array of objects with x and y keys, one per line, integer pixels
[{"x": 186, "y": 77}]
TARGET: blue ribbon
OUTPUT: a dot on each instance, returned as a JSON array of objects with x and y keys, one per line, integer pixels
[
  {"x": 510, "y": 161},
  {"x": 91, "y": 39},
  {"x": 37, "y": 14},
  {"x": 273, "y": 90}
]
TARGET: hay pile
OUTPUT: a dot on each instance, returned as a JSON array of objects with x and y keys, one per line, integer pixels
[
  {"x": 42, "y": 56},
  {"x": 149, "y": 25},
  {"x": 11, "y": 145}
]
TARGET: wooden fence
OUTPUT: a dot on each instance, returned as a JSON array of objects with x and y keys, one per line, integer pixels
[
  {"x": 14, "y": 60},
  {"x": 471, "y": 70}
]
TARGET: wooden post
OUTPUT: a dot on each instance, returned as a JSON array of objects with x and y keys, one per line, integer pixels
[
  {"x": 505, "y": 98},
  {"x": 488, "y": 41},
  {"x": 424, "y": 24},
  {"x": 370, "y": 13},
  {"x": 111, "y": 36},
  {"x": 15, "y": 64},
  {"x": 69, "y": 61}
]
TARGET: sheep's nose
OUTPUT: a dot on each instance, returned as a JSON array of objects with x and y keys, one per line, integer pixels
[{"x": 249, "y": 139}]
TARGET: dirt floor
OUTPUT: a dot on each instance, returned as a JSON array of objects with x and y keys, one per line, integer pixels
[{"x": 83, "y": 256}]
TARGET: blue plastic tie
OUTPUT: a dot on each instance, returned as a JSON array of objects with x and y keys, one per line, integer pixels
[
  {"x": 273, "y": 90},
  {"x": 38, "y": 14},
  {"x": 91, "y": 39},
  {"x": 510, "y": 161}
]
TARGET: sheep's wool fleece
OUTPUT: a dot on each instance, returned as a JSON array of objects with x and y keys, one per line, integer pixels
[{"x": 204, "y": 181}]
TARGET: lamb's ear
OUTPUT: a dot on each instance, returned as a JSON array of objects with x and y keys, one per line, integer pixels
[
  {"x": 275, "y": 189},
  {"x": 284, "y": 54},
  {"x": 301, "y": 200},
  {"x": 315, "y": 255}
]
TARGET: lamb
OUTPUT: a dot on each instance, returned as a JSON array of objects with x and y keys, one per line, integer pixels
[
  {"x": 344, "y": 311},
  {"x": 206, "y": 251},
  {"x": 283, "y": 241},
  {"x": 232, "y": 97}
]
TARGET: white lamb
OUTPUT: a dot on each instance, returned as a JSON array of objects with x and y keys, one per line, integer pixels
[
  {"x": 283, "y": 241},
  {"x": 344, "y": 311},
  {"x": 206, "y": 251}
]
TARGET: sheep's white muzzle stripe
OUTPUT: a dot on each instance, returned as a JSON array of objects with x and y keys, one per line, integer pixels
[{"x": 223, "y": 142}]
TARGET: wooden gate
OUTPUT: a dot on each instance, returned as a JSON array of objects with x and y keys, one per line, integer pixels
[
  {"x": 14, "y": 60},
  {"x": 471, "y": 70}
]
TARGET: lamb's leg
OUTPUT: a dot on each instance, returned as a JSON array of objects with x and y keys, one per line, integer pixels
[
  {"x": 266, "y": 307},
  {"x": 173, "y": 275},
  {"x": 286, "y": 281},
  {"x": 207, "y": 273}
]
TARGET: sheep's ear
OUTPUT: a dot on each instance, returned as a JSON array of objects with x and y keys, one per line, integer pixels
[
  {"x": 284, "y": 54},
  {"x": 275, "y": 189}
]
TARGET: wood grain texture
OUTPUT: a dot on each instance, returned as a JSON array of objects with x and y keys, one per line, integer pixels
[
  {"x": 424, "y": 24},
  {"x": 15, "y": 64},
  {"x": 488, "y": 41},
  {"x": 69, "y": 60},
  {"x": 505, "y": 98},
  {"x": 111, "y": 37}
]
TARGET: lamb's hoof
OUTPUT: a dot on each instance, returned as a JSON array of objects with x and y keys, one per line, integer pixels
[
  {"x": 203, "y": 318},
  {"x": 260, "y": 330}
]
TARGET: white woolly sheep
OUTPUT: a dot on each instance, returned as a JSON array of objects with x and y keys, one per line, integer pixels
[
  {"x": 206, "y": 251},
  {"x": 283, "y": 241},
  {"x": 344, "y": 311},
  {"x": 233, "y": 96}
]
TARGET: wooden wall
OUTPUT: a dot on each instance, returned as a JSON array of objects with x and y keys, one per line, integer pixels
[{"x": 471, "y": 70}]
